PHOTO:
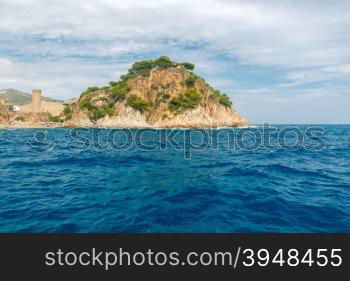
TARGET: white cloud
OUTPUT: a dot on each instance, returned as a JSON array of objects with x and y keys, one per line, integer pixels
[
  {"x": 6, "y": 66},
  {"x": 5, "y": 63},
  {"x": 66, "y": 46},
  {"x": 323, "y": 74}
]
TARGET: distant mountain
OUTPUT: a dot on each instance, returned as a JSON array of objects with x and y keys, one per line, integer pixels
[{"x": 12, "y": 96}]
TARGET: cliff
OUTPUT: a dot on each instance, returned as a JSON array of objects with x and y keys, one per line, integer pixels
[{"x": 154, "y": 94}]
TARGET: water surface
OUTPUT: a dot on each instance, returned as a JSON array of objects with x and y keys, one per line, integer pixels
[{"x": 50, "y": 186}]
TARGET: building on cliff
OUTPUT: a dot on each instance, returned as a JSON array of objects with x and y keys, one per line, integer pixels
[{"x": 36, "y": 100}]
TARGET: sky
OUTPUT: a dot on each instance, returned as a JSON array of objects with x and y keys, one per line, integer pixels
[{"x": 281, "y": 61}]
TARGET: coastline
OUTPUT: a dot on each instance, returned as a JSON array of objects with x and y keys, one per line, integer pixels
[{"x": 43, "y": 125}]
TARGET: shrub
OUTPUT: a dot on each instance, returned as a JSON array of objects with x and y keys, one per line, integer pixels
[
  {"x": 144, "y": 67},
  {"x": 119, "y": 91},
  {"x": 165, "y": 96},
  {"x": 141, "y": 68},
  {"x": 137, "y": 103},
  {"x": 188, "y": 65},
  {"x": 68, "y": 112},
  {"x": 55, "y": 119},
  {"x": 161, "y": 97},
  {"x": 190, "y": 81},
  {"x": 97, "y": 114},
  {"x": 127, "y": 76},
  {"x": 89, "y": 91},
  {"x": 113, "y": 83},
  {"x": 86, "y": 104},
  {"x": 109, "y": 111},
  {"x": 20, "y": 118},
  {"x": 164, "y": 62},
  {"x": 223, "y": 99},
  {"x": 189, "y": 100},
  {"x": 104, "y": 99}
]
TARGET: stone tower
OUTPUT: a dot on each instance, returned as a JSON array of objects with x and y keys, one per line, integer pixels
[{"x": 36, "y": 100}]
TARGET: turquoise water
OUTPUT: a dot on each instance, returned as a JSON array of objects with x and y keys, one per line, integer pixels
[{"x": 52, "y": 181}]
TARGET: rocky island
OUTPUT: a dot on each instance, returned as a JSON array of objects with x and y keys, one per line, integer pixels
[{"x": 157, "y": 93}]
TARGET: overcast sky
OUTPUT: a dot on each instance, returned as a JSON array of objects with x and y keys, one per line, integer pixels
[{"x": 283, "y": 61}]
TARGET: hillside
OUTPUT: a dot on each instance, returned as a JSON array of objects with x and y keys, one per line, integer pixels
[
  {"x": 154, "y": 94},
  {"x": 12, "y": 96}
]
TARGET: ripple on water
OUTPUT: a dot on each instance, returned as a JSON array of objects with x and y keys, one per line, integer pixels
[{"x": 222, "y": 190}]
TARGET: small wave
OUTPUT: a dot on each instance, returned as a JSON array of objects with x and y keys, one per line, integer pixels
[
  {"x": 159, "y": 191},
  {"x": 294, "y": 171},
  {"x": 241, "y": 172}
]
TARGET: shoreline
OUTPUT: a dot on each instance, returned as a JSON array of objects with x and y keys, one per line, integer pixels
[{"x": 56, "y": 126}]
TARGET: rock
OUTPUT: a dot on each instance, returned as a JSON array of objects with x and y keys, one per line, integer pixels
[{"x": 155, "y": 97}]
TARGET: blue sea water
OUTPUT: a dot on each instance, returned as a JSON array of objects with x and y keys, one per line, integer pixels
[{"x": 56, "y": 180}]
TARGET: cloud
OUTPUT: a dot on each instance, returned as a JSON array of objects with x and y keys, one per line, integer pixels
[
  {"x": 251, "y": 48},
  {"x": 5, "y": 66}
]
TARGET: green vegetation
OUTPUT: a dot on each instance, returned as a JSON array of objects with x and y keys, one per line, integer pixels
[
  {"x": 89, "y": 91},
  {"x": 188, "y": 66},
  {"x": 223, "y": 99},
  {"x": 190, "y": 81},
  {"x": 109, "y": 110},
  {"x": 127, "y": 76},
  {"x": 113, "y": 83},
  {"x": 164, "y": 62},
  {"x": 137, "y": 103},
  {"x": 189, "y": 100},
  {"x": 86, "y": 104},
  {"x": 161, "y": 97},
  {"x": 20, "y": 118},
  {"x": 119, "y": 91},
  {"x": 68, "y": 112},
  {"x": 103, "y": 99},
  {"x": 143, "y": 68},
  {"x": 97, "y": 114},
  {"x": 55, "y": 119},
  {"x": 164, "y": 96}
]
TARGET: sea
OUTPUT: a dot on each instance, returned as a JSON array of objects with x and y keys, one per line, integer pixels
[{"x": 270, "y": 179}]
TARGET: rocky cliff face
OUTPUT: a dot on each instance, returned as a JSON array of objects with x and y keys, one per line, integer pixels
[
  {"x": 154, "y": 94},
  {"x": 4, "y": 116}
]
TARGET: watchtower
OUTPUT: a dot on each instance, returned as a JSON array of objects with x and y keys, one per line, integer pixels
[{"x": 36, "y": 100}]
